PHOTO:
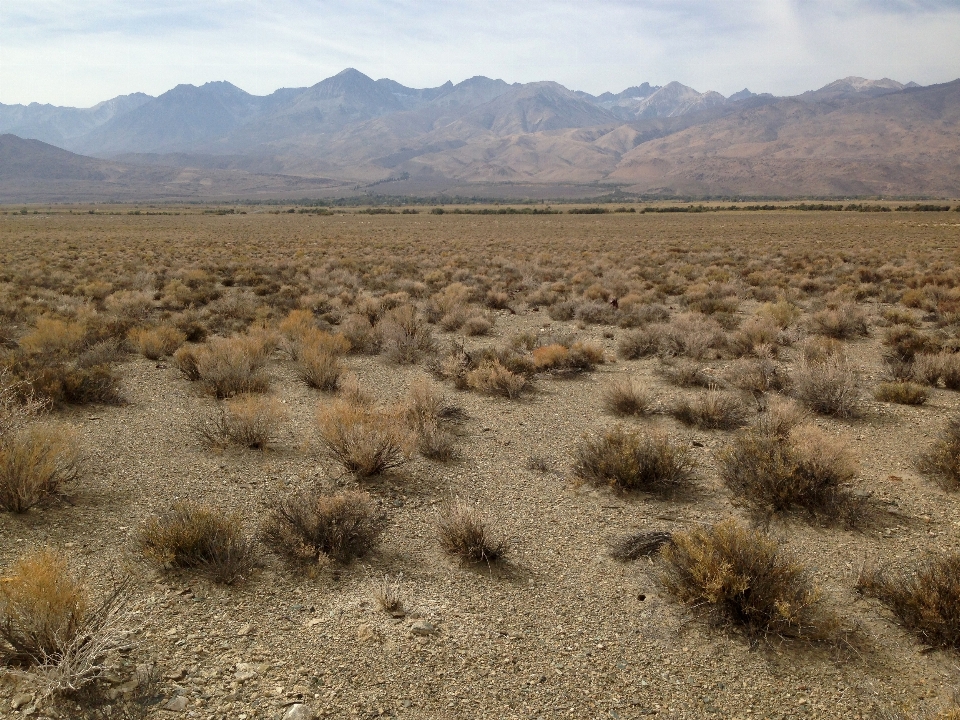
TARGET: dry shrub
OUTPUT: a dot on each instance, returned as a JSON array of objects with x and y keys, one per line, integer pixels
[
  {"x": 185, "y": 360},
  {"x": 742, "y": 578},
  {"x": 53, "y": 630},
  {"x": 904, "y": 393},
  {"x": 942, "y": 367},
  {"x": 633, "y": 461},
  {"x": 319, "y": 367},
  {"x": 780, "y": 417},
  {"x": 622, "y": 397},
  {"x": 713, "y": 410},
  {"x": 820, "y": 349},
  {"x": 575, "y": 357},
  {"x": 844, "y": 322},
  {"x": 476, "y": 326},
  {"x": 359, "y": 332},
  {"x": 191, "y": 535},
  {"x": 783, "y": 313},
  {"x": 806, "y": 469},
  {"x": 389, "y": 596},
  {"x": 942, "y": 459},
  {"x": 756, "y": 375},
  {"x": 309, "y": 526},
  {"x": 464, "y": 533},
  {"x": 36, "y": 464},
  {"x": 640, "y": 343},
  {"x": 248, "y": 421},
  {"x": 756, "y": 335},
  {"x": 155, "y": 343},
  {"x": 17, "y": 405},
  {"x": 233, "y": 366},
  {"x": 52, "y": 336},
  {"x": 685, "y": 373},
  {"x": 493, "y": 378},
  {"x": 429, "y": 416},
  {"x": 637, "y": 545},
  {"x": 365, "y": 441},
  {"x": 406, "y": 337},
  {"x": 926, "y": 601},
  {"x": 829, "y": 387},
  {"x": 904, "y": 343}
]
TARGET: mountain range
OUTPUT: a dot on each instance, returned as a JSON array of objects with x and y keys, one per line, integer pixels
[{"x": 853, "y": 137}]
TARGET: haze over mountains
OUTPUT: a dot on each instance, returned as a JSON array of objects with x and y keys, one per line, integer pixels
[{"x": 852, "y": 137}]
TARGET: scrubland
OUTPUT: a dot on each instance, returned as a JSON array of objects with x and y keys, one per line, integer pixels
[{"x": 418, "y": 465}]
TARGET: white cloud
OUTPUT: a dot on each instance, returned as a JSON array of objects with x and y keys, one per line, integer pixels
[{"x": 79, "y": 53}]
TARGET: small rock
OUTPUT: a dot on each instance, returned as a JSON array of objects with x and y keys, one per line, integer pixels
[
  {"x": 176, "y": 704},
  {"x": 245, "y": 630},
  {"x": 365, "y": 633},
  {"x": 299, "y": 711},
  {"x": 20, "y": 700},
  {"x": 423, "y": 628},
  {"x": 248, "y": 671},
  {"x": 177, "y": 674}
]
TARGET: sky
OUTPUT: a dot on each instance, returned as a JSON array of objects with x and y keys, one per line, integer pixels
[{"x": 80, "y": 52}]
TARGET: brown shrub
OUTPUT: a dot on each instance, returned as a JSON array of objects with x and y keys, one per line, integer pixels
[
  {"x": 155, "y": 343},
  {"x": 904, "y": 393},
  {"x": 360, "y": 334},
  {"x": 904, "y": 343},
  {"x": 185, "y": 360},
  {"x": 846, "y": 321},
  {"x": 713, "y": 410},
  {"x": 36, "y": 464},
  {"x": 742, "y": 578},
  {"x": 633, "y": 461},
  {"x": 477, "y": 325},
  {"x": 406, "y": 337},
  {"x": 942, "y": 459},
  {"x": 429, "y": 416},
  {"x": 805, "y": 469},
  {"x": 248, "y": 421},
  {"x": 309, "y": 526},
  {"x": 365, "y": 441},
  {"x": 640, "y": 343},
  {"x": 232, "y": 366},
  {"x": 622, "y": 397},
  {"x": 191, "y": 535},
  {"x": 52, "y": 336},
  {"x": 493, "y": 378},
  {"x": 685, "y": 373},
  {"x": 319, "y": 367},
  {"x": 759, "y": 375},
  {"x": 926, "y": 601},
  {"x": 464, "y": 533},
  {"x": 830, "y": 387}
]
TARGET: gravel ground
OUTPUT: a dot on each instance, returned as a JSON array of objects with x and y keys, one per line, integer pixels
[{"x": 560, "y": 631}]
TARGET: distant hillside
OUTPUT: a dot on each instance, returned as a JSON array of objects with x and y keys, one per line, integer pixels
[{"x": 851, "y": 137}]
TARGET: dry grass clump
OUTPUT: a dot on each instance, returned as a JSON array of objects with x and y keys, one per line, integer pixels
[
  {"x": 405, "y": 336},
  {"x": 713, "y": 410},
  {"x": 689, "y": 335},
  {"x": 430, "y": 417},
  {"x": 757, "y": 375},
  {"x": 639, "y": 343},
  {"x": 248, "y": 421},
  {"x": 804, "y": 469},
  {"x": 942, "y": 459},
  {"x": 685, "y": 373},
  {"x": 634, "y": 546},
  {"x": 360, "y": 333},
  {"x": 846, "y": 321},
  {"x": 463, "y": 532},
  {"x": 227, "y": 366},
  {"x": 492, "y": 378},
  {"x": 904, "y": 393},
  {"x": 633, "y": 461},
  {"x": 157, "y": 342},
  {"x": 932, "y": 369},
  {"x": 202, "y": 537},
  {"x": 389, "y": 596},
  {"x": 319, "y": 367},
  {"x": 36, "y": 464},
  {"x": 365, "y": 441},
  {"x": 743, "y": 579},
  {"x": 51, "y": 629},
  {"x": 310, "y": 526},
  {"x": 560, "y": 358},
  {"x": 926, "y": 601},
  {"x": 830, "y": 387},
  {"x": 623, "y": 398}
]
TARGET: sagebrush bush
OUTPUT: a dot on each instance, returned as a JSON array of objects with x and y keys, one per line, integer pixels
[
  {"x": 231, "y": 366},
  {"x": 492, "y": 378},
  {"x": 319, "y": 367},
  {"x": 637, "y": 545},
  {"x": 742, "y": 578},
  {"x": 846, "y": 321},
  {"x": 406, "y": 338},
  {"x": 942, "y": 458},
  {"x": 685, "y": 373},
  {"x": 803, "y": 469},
  {"x": 430, "y": 417},
  {"x": 310, "y": 525},
  {"x": 713, "y": 410},
  {"x": 192, "y": 535},
  {"x": 248, "y": 421},
  {"x": 156, "y": 342},
  {"x": 37, "y": 463},
  {"x": 904, "y": 393},
  {"x": 830, "y": 387},
  {"x": 633, "y": 461},
  {"x": 365, "y": 441},
  {"x": 926, "y": 600},
  {"x": 623, "y": 397},
  {"x": 463, "y": 532}
]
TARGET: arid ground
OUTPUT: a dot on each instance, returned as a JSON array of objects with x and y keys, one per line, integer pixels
[{"x": 521, "y": 329}]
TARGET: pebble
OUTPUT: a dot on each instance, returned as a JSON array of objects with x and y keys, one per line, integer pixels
[
  {"x": 423, "y": 628},
  {"x": 176, "y": 704},
  {"x": 20, "y": 700},
  {"x": 299, "y": 711}
]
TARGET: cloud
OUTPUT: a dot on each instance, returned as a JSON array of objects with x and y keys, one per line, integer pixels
[{"x": 80, "y": 53}]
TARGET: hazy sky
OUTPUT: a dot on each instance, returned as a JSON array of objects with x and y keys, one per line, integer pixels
[{"x": 78, "y": 52}]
